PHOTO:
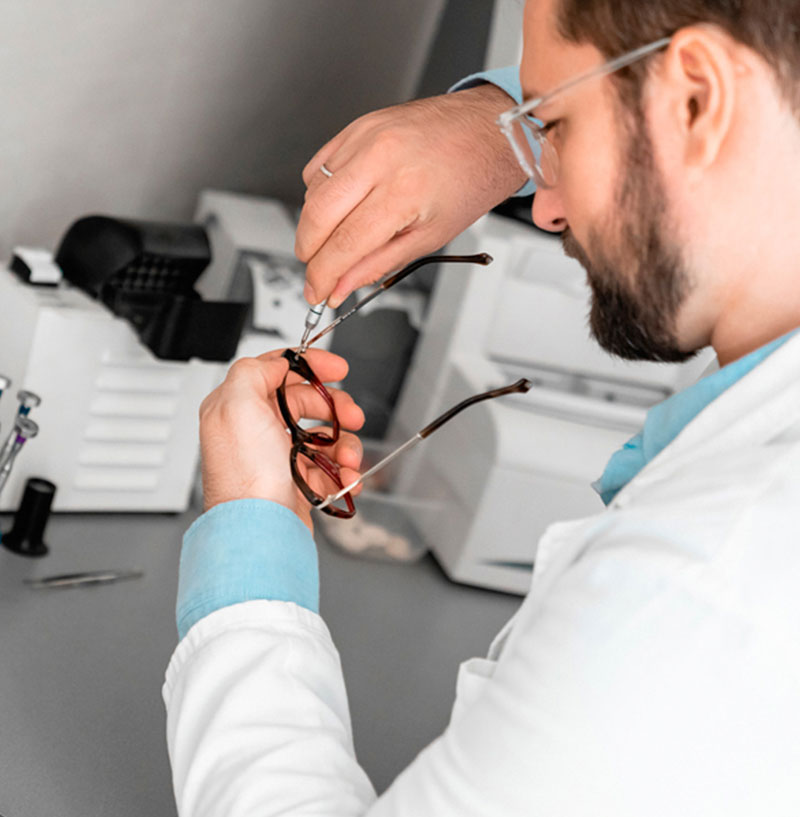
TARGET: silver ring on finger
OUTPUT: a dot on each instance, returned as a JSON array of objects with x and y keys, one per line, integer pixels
[{"x": 325, "y": 170}]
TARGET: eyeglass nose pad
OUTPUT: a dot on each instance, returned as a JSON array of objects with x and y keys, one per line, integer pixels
[{"x": 548, "y": 163}]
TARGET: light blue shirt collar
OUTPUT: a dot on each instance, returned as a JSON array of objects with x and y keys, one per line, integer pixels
[{"x": 667, "y": 419}]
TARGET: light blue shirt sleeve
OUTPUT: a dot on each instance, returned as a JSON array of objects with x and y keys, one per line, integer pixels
[
  {"x": 507, "y": 79},
  {"x": 242, "y": 551}
]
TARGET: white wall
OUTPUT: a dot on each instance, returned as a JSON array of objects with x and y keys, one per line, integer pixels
[
  {"x": 130, "y": 107},
  {"x": 505, "y": 38}
]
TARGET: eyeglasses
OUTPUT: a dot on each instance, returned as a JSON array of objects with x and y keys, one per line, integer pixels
[
  {"x": 528, "y": 137},
  {"x": 330, "y": 495}
]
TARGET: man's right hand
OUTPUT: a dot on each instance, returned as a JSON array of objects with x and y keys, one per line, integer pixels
[{"x": 406, "y": 180}]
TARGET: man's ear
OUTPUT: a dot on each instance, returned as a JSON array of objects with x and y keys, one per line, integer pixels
[{"x": 700, "y": 73}]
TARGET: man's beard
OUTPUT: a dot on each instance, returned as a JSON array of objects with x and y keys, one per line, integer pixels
[{"x": 638, "y": 290}]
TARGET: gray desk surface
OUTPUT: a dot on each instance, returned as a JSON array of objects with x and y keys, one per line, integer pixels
[{"x": 81, "y": 716}]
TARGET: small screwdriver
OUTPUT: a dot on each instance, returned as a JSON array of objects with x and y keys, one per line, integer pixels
[
  {"x": 24, "y": 429},
  {"x": 5, "y": 382},
  {"x": 312, "y": 321},
  {"x": 27, "y": 401}
]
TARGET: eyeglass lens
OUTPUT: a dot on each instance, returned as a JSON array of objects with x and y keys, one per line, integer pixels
[
  {"x": 314, "y": 472},
  {"x": 536, "y": 151}
]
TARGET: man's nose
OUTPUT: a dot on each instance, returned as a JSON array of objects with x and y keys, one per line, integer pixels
[{"x": 547, "y": 211}]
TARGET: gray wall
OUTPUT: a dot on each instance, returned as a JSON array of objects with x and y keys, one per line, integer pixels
[{"x": 132, "y": 106}]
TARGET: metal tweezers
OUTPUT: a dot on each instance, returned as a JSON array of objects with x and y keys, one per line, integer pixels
[{"x": 78, "y": 579}]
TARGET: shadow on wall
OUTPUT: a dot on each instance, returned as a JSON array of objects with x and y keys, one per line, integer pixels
[{"x": 132, "y": 108}]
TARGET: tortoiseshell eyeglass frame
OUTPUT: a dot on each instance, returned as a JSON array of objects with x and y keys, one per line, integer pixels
[{"x": 303, "y": 440}]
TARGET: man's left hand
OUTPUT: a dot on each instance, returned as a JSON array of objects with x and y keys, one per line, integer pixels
[{"x": 244, "y": 442}]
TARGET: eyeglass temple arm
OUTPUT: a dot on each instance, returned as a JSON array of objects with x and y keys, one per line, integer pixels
[
  {"x": 482, "y": 258},
  {"x": 522, "y": 385},
  {"x": 526, "y": 106}
]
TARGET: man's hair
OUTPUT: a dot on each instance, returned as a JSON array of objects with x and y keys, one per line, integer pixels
[{"x": 771, "y": 28}]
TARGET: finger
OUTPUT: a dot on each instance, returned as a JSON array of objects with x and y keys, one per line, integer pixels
[
  {"x": 305, "y": 402},
  {"x": 324, "y": 154},
  {"x": 394, "y": 255},
  {"x": 261, "y": 376},
  {"x": 323, "y": 486},
  {"x": 347, "y": 452},
  {"x": 335, "y": 155},
  {"x": 327, "y": 366},
  {"x": 319, "y": 178},
  {"x": 370, "y": 226},
  {"x": 320, "y": 356},
  {"x": 327, "y": 204}
]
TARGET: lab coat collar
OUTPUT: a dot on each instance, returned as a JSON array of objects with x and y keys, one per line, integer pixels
[
  {"x": 758, "y": 407},
  {"x": 666, "y": 421}
]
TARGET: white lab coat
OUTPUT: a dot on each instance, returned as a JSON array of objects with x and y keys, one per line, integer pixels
[{"x": 653, "y": 669}]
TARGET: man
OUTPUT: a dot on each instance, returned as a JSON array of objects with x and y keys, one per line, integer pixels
[{"x": 654, "y": 666}]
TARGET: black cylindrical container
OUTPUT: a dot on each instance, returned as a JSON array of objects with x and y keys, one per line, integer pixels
[{"x": 27, "y": 535}]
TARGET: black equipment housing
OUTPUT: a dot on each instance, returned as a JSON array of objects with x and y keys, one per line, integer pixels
[{"x": 145, "y": 272}]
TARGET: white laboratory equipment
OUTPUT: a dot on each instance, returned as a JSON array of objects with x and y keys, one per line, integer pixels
[
  {"x": 238, "y": 224},
  {"x": 118, "y": 427},
  {"x": 253, "y": 259},
  {"x": 483, "y": 489}
]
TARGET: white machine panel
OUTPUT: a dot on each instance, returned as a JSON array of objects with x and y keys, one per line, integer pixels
[{"x": 118, "y": 428}]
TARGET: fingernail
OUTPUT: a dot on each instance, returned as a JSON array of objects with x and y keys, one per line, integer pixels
[
  {"x": 309, "y": 294},
  {"x": 334, "y": 301}
]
